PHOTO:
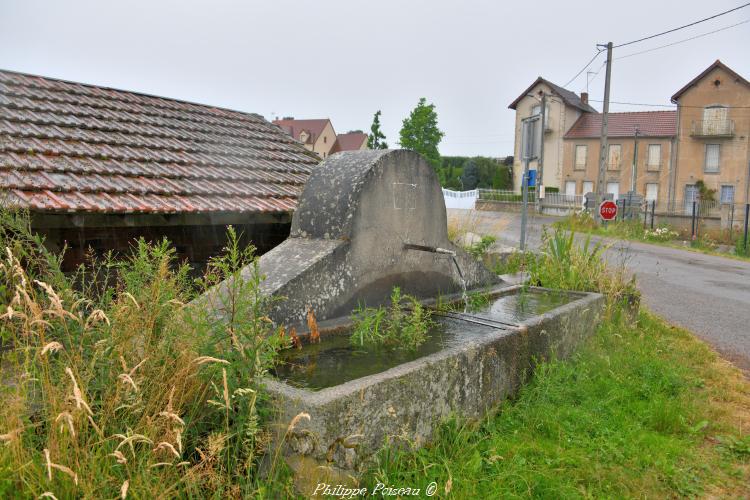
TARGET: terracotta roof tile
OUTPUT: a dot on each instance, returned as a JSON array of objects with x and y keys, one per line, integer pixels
[
  {"x": 649, "y": 124},
  {"x": 71, "y": 147}
]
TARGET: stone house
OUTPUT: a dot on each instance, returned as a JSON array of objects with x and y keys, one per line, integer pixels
[
  {"x": 706, "y": 138},
  {"x": 98, "y": 167},
  {"x": 713, "y": 142},
  {"x": 651, "y": 133},
  {"x": 563, "y": 109},
  {"x": 316, "y": 135}
]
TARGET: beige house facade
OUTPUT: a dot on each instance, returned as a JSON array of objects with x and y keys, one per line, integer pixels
[
  {"x": 714, "y": 136},
  {"x": 705, "y": 139},
  {"x": 639, "y": 154},
  {"x": 563, "y": 108}
]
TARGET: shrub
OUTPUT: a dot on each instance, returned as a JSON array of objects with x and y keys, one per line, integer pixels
[
  {"x": 480, "y": 248},
  {"x": 393, "y": 327},
  {"x": 563, "y": 264},
  {"x": 129, "y": 388},
  {"x": 740, "y": 248}
]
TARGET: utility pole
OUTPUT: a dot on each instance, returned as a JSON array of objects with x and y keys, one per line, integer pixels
[
  {"x": 602, "y": 178},
  {"x": 540, "y": 160},
  {"x": 634, "y": 178}
]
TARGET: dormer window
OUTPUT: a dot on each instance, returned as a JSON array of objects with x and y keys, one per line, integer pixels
[{"x": 303, "y": 136}]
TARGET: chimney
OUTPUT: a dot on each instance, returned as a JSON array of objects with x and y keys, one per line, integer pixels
[{"x": 585, "y": 97}]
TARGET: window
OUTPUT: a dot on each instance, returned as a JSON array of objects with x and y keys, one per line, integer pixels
[
  {"x": 653, "y": 160},
  {"x": 588, "y": 187},
  {"x": 715, "y": 114},
  {"x": 614, "y": 189},
  {"x": 570, "y": 188},
  {"x": 536, "y": 109},
  {"x": 713, "y": 155},
  {"x": 325, "y": 139},
  {"x": 652, "y": 191},
  {"x": 580, "y": 157},
  {"x": 727, "y": 195},
  {"x": 615, "y": 157}
]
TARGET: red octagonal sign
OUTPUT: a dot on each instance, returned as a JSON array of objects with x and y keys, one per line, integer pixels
[{"x": 608, "y": 210}]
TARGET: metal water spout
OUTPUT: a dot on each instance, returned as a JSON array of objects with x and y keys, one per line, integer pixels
[{"x": 425, "y": 248}]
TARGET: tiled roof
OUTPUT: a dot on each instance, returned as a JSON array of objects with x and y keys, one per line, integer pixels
[
  {"x": 293, "y": 127},
  {"x": 649, "y": 124},
  {"x": 350, "y": 141},
  {"x": 73, "y": 147},
  {"x": 569, "y": 97}
]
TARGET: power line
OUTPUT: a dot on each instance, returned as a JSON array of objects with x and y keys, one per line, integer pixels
[
  {"x": 682, "y": 41},
  {"x": 682, "y": 27},
  {"x": 664, "y": 105},
  {"x": 584, "y": 68}
]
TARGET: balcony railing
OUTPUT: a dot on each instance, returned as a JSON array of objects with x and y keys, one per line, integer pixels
[{"x": 713, "y": 128}]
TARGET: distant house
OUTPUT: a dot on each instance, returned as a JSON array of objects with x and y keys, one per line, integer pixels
[
  {"x": 317, "y": 136},
  {"x": 705, "y": 139},
  {"x": 563, "y": 109},
  {"x": 713, "y": 145},
  {"x": 654, "y": 132},
  {"x": 351, "y": 141},
  {"x": 97, "y": 167}
]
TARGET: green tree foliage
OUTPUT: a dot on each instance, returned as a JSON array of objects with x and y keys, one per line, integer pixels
[
  {"x": 491, "y": 172},
  {"x": 420, "y": 132},
  {"x": 470, "y": 176},
  {"x": 376, "y": 138}
]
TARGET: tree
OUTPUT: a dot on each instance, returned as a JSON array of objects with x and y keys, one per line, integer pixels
[
  {"x": 420, "y": 132},
  {"x": 470, "y": 177},
  {"x": 376, "y": 138}
]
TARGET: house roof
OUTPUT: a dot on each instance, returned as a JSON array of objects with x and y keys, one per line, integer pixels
[
  {"x": 694, "y": 81},
  {"x": 294, "y": 127},
  {"x": 649, "y": 124},
  {"x": 569, "y": 97},
  {"x": 351, "y": 141},
  {"x": 70, "y": 147}
]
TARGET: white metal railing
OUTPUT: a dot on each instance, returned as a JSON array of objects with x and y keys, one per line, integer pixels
[{"x": 568, "y": 200}]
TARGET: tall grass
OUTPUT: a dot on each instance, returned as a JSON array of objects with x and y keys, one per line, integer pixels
[{"x": 116, "y": 385}]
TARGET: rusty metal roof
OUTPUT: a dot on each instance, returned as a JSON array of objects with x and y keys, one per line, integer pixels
[
  {"x": 70, "y": 147},
  {"x": 648, "y": 123}
]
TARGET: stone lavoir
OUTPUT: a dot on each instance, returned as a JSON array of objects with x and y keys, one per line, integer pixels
[{"x": 368, "y": 221}]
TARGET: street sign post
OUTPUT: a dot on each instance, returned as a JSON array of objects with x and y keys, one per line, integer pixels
[{"x": 608, "y": 210}]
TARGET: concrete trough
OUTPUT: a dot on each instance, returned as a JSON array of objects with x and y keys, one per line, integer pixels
[{"x": 350, "y": 422}]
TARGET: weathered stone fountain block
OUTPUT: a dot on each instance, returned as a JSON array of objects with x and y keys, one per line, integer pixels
[{"x": 356, "y": 213}]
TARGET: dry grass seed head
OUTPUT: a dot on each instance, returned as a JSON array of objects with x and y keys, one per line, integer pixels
[
  {"x": 77, "y": 395},
  {"x": 66, "y": 418}
]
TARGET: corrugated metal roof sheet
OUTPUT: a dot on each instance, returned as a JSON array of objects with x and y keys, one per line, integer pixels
[
  {"x": 66, "y": 146},
  {"x": 649, "y": 124}
]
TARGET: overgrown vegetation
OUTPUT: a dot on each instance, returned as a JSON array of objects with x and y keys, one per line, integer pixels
[
  {"x": 115, "y": 384},
  {"x": 643, "y": 410},
  {"x": 481, "y": 247},
  {"x": 402, "y": 325}
]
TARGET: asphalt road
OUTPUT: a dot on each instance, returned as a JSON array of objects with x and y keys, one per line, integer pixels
[{"x": 706, "y": 294}]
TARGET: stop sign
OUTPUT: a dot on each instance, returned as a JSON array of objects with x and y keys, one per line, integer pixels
[{"x": 608, "y": 210}]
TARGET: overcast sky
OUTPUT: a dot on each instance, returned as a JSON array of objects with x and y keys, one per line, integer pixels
[{"x": 345, "y": 59}]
